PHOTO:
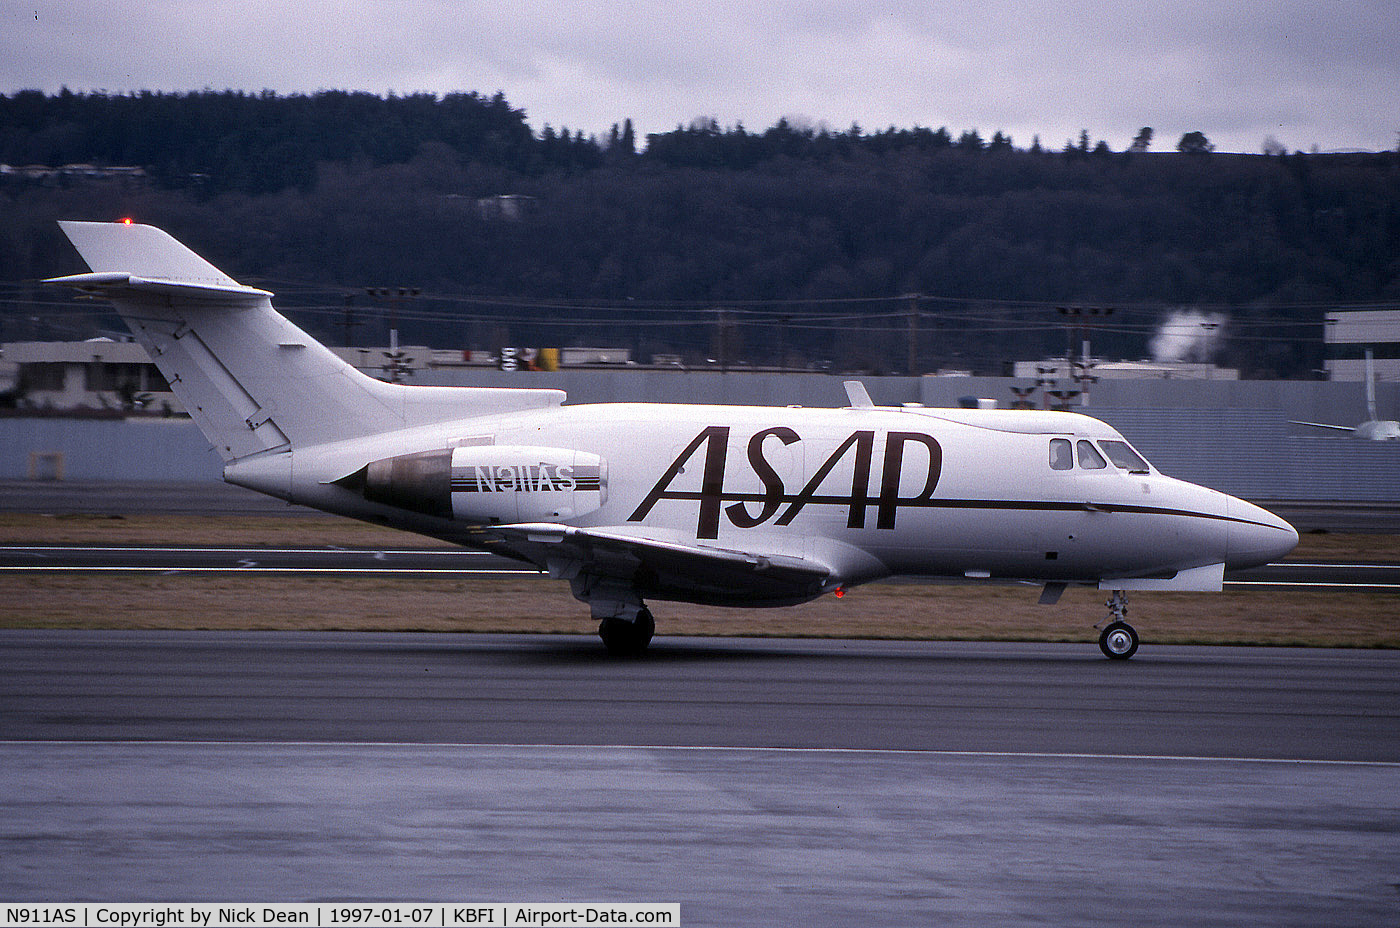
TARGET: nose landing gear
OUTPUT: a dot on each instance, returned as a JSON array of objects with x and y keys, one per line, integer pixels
[{"x": 1118, "y": 640}]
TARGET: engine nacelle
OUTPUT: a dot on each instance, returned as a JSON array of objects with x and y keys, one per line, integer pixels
[{"x": 490, "y": 484}]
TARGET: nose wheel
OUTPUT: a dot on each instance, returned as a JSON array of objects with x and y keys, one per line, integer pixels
[{"x": 1118, "y": 640}]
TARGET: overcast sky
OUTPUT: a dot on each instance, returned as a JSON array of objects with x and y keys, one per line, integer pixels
[{"x": 1322, "y": 73}]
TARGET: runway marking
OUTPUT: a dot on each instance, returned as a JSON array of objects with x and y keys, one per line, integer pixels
[
  {"x": 1338, "y": 566},
  {"x": 245, "y": 567},
  {"x": 415, "y": 552},
  {"x": 1313, "y": 584},
  {"x": 717, "y": 748},
  {"x": 168, "y": 569}
]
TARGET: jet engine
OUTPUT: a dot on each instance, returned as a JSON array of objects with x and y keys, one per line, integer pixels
[{"x": 488, "y": 484}]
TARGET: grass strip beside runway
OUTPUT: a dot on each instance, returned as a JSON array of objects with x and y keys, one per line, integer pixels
[{"x": 187, "y": 600}]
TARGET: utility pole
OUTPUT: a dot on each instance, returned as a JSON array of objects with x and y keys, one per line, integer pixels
[
  {"x": 723, "y": 338},
  {"x": 350, "y": 321},
  {"x": 913, "y": 365}
]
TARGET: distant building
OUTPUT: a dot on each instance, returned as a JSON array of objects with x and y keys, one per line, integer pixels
[
  {"x": 45, "y": 174},
  {"x": 1346, "y": 337},
  {"x": 108, "y": 377},
  {"x": 1062, "y": 370},
  {"x": 93, "y": 376},
  {"x": 508, "y": 207}
]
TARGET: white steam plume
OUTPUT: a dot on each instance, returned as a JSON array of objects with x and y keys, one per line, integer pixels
[{"x": 1188, "y": 335}]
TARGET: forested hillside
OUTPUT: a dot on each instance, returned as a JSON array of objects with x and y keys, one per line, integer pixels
[{"x": 789, "y": 244}]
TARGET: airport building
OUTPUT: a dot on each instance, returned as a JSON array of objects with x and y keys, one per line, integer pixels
[
  {"x": 1192, "y": 421},
  {"x": 1347, "y": 336},
  {"x": 1060, "y": 369},
  {"x": 99, "y": 376}
]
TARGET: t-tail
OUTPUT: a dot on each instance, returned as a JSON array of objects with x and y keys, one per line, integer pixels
[{"x": 253, "y": 382}]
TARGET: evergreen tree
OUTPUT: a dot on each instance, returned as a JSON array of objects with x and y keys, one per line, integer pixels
[{"x": 1195, "y": 143}]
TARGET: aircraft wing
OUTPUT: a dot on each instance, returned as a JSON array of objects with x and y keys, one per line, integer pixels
[
  {"x": 1324, "y": 425},
  {"x": 665, "y": 569}
]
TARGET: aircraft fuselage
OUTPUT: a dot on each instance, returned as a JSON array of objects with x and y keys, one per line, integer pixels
[{"x": 870, "y": 492}]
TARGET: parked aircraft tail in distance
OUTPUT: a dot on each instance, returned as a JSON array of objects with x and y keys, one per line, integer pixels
[
  {"x": 741, "y": 506},
  {"x": 1374, "y": 428}
]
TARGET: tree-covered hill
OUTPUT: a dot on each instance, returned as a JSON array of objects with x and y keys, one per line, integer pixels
[{"x": 763, "y": 232}]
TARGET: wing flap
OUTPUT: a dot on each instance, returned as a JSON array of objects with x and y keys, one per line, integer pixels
[{"x": 659, "y": 567}]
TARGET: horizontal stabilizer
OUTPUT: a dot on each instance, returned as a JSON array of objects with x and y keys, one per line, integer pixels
[{"x": 114, "y": 284}]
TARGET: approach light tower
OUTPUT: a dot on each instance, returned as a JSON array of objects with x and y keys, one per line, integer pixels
[{"x": 395, "y": 365}]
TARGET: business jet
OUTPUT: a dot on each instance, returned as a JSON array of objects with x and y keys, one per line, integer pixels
[
  {"x": 1373, "y": 429},
  {"x": 722, "y": 505}
]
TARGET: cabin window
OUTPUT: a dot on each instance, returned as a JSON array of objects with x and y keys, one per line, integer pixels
[
  {"x": 1089, "y": 457},
  {"x": 1122, "y": 455},
  {"x": 1061, "y": 455}
]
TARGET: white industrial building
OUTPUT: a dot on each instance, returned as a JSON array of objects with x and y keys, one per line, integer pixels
[
  {"x": 100, "y": 375},
  {"x": 1061, "y": 369},
  {"x": 1348, "y": 335}
]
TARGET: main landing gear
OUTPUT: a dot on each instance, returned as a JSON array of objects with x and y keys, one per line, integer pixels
[
  {"x": 1118, "y": 640},
  {"x": 624, "y": 622},
  {"x": 624, "y": 638}
]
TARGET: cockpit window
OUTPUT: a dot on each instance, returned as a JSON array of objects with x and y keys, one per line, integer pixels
[
  {"x": 1089, "y": 458},
  {"x": 1061, "y": 454},
  {"x": 1122, "y": 455}
]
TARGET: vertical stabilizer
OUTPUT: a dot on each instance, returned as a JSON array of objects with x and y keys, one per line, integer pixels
[{"x": 252, "y": 380}]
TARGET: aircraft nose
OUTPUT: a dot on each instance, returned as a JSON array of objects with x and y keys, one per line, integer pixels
[{"x": 1256, "y": 536}]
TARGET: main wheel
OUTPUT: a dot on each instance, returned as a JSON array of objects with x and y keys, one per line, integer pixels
[
  {"x": 627, "y": 639},
  {"x": 1118, "y": 641}
]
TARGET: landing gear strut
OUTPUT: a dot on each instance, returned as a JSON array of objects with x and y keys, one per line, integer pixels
[
  {"x": 625, "y": 638},
  {"x": 1118, "y": 640}
]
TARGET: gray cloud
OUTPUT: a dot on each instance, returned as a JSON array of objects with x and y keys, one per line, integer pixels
[{"x": 1309, "y": 72}]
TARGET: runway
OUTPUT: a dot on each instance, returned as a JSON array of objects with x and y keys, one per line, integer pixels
[
  {"x": 1274, "y": 704},
  {"x": 754, "y": 781}
]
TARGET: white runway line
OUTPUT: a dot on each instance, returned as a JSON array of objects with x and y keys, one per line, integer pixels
[{"x": 743, "y": 749}]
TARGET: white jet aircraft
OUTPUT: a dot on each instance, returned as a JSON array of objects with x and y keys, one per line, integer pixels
[{"x": 722, "y": 505}]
